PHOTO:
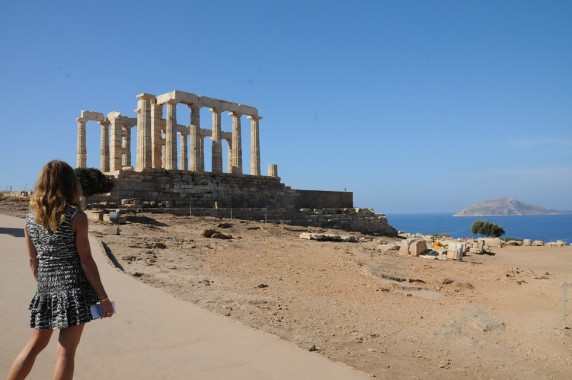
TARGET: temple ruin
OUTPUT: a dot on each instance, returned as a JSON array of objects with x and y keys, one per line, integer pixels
[
  {"x": 169, "y": 171},
  {"x": 157, "y": 136}
]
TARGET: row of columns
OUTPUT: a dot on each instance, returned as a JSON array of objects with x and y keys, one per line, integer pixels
[
  {"x": 154, "y": 151},
  {"x": 115, "y": 145},
  {"x": 150, "y": 142}
]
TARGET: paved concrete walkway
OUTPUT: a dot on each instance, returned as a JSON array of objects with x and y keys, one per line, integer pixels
[{"x": 153, "y": 335}]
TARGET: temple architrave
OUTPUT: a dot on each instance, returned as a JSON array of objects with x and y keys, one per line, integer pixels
[{"x": 157, "y": 135}]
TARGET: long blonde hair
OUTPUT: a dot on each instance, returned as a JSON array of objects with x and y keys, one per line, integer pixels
[{"x": 57, "y": 186}]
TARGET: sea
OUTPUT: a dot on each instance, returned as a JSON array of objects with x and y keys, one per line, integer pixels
[{"x": 535, "y": 227}]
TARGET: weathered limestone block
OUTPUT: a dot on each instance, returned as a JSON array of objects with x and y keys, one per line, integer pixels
[
  {"x": 492, "y": 242},
  {"x": 475, "y": 246},
  {"x": 413, "y": 247},
  {"x": 527, "y": 242},
  {"x": 480, "y": 246},
  {"x": 537, "y": 243},
  {"x": 418, "y": 248},
  {"x": 455, "y": 251},
  {"x": 513, "y": 243}
]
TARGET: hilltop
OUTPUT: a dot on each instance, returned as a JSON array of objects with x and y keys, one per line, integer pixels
[
  {"x": 388, "y": 315},
  {"x": 506, "y": 206}
]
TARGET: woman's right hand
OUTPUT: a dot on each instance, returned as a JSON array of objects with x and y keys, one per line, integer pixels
[{"x": 106, "y": 308}]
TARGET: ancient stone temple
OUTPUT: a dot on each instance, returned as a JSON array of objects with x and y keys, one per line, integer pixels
[
  {"x": 169, "y": 168},
  {"x": 157, "y": 135}
]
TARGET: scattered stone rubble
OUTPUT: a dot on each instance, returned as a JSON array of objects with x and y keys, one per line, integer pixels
[
  {"x": 442, "y": 247},
  {"x": 430, "y": 247},
  {"x": 328, "y": 237},
  {"x": 557, "y": 243}
]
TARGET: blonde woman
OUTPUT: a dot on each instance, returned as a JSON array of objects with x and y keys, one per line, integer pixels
[{"x": 68, "y": 281}]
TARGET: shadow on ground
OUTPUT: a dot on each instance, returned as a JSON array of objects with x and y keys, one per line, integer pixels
[{"x": 16, "y": 232}]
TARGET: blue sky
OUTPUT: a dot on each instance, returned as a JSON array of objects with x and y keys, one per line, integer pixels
[{"x": 415, "y": 106}]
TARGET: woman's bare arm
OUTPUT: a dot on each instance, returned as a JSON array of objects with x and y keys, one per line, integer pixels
[
  {"x": 80, "y": 226},
  {"x": 32, "y": 254}
]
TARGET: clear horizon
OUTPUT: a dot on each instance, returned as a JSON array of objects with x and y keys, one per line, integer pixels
[{"x": 413, "y": 106}]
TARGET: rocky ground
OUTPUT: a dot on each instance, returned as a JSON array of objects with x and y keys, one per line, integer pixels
[{"x": 497, "y": 316}]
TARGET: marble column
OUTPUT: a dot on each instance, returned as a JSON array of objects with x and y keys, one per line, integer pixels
[
  {"x": 202, "y": 153},
  {"x": 194, "y": 130},
  {"x": 183, "y": 153},
  {"x": 126, "y": 158},
  {"x": 236, "y": 144},
  {"x": 171, "y": 136},
  {"x": 156, "y": 116},
  {"x": 139, "y": 142},
  {"x": 254, "y": 145},
  {"x": 144, "y": 148},
  {"x": 104, "y": 147},
  {"x": 216, "y": 148},
  {"x": 272, "y": 170},
  {"x": 115, "y": 151},
  {"x": 229, "y": 156},
  {"x": 81, "y": 161}
]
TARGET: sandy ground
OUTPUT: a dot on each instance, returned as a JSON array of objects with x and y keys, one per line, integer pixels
[{"x": 497, "y": 316}]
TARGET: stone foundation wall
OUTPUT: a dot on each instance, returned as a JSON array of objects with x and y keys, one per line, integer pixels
[
  {"x": 208, "y": 190},
  {"x": 241, "y": 197},
  {"x": 323, "y": 199}
]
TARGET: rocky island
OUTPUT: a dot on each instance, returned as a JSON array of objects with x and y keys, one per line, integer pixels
[{"x": 506, "y": 206}]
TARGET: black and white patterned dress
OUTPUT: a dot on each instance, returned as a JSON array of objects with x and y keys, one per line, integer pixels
[{"x": 64, "y": 295}]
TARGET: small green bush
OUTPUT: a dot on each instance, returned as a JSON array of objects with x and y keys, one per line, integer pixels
[
  {"x": 93, "y": 181},
  {"x": 487, "y": 229}
]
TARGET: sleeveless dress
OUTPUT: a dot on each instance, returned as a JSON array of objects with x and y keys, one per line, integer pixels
[{"x": 64, "y": 295}]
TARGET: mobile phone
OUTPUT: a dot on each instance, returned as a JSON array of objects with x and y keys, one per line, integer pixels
[{"x": 96, "y": 310}]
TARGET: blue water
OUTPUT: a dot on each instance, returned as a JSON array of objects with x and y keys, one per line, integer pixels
[{"x": 535, "y": 227}]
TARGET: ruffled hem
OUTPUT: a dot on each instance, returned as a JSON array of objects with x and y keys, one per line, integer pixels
[{"x": 61, "y": 309}]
